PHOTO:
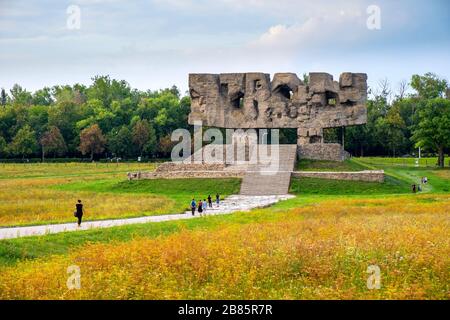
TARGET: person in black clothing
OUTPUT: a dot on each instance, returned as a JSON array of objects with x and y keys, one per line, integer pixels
[
  {"x": 200, "y": 207},
  {"x": 79, "y": 212},
  {"x": 210, "y": 201},
  {"x": 193, "y": 206}
]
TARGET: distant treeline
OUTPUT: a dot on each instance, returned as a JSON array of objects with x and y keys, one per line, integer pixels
[
  {"x": 106, "y": 119},
  {"x": 110, "y": 119},
  {"x": 398, "y": 123}
]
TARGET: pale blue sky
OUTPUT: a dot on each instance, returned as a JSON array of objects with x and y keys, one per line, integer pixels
[{"x": 156, "y": 43}]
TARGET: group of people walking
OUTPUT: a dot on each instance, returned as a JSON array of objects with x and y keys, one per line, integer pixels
[
  {"x": 418, "y": 187},
  {"x": 202, "y": 205}
]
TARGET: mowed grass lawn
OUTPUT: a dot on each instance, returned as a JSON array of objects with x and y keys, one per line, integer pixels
[
  {"x": 324, "y": 165},
  {"x": 46, "y": 193},
  {"x": 318, "y": 245}
]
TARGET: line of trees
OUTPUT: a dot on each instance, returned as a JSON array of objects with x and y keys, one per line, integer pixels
[
  {"x": 109, "y": 118},
  {"x": 399, "y": 123},
  {"x": 106, "y": 118}
]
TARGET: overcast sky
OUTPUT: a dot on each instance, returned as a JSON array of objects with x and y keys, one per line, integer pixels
[{"x": 155, "y": 43}]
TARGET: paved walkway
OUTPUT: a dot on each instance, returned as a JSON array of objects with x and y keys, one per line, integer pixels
[{"x": 229, "y": 205}]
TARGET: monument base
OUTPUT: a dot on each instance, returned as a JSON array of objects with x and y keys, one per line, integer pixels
[{"x": 322, "y": 151}]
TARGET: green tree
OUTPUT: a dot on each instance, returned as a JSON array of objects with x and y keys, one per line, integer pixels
[
  {"x": 433, "y": 128},
  {"x": 374, "y": 138},
  {"x": 357, "y": 139},
  {"x": 70, "y": 94},
  {"x": 407, "y": 109},
  {"x": 429, "y": 86},
  {"x": 166, "y": 110},
  {"x": 20, "y": 96},
  {"x": 123, "y": 111},
  {"x": 24, "y": 142},
  {"x": 42, "y": 97},
  {"x": 175, "y": 91},
  {"x": 165, "y": 146},
  {"x": 94, "y": 112},
  {"x": 3, "y": 97},
  {"x": 53, "y": 141},
  {"x": 120, "y": 141},
  {"x": 109, "y": 103},
  {"x": 92, "y": 141},
  {"x": 37, "y": 118},
  {"x": 144, "y": 136},
  {"x": 107, "y": 90},
  {"x": 65, "y": 115},
  {"x": 2, "y": 147},
  {"x": 305, "y": 77},
  {"x": 7, "y": 122},
  {"x": 395, "y": 130}
]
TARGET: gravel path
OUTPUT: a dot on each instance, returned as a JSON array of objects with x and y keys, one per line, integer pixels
[{"x": 229, "y": 205}]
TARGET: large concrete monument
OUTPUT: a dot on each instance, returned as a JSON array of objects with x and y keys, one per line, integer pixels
[{"x": 252, "y": 100}]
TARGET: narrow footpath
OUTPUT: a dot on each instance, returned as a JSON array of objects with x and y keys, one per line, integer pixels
[{"x": 231, "y": 204}]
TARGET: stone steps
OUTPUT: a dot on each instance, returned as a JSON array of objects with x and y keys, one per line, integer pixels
[{"x": 259, "y": 180}]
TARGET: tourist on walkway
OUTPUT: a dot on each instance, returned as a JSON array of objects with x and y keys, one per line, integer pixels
[
  {"x": 200, "y": 207},
  {"x": 193, "y": 206},
  {"x": 414, "y": 188},
  {"x": 205, "y": 205},
  {"x": 210, "y": 201},
  {"x": 217, "y": 199},
  {"x": 79, "y": 212}
]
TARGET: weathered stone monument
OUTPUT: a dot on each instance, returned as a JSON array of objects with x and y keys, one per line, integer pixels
[{"x": 253, "y": 100}]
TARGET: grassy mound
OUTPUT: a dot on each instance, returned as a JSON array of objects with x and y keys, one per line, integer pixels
[
  {"x": 315, "y": 186},
  {"x": 323, "y": 165}
]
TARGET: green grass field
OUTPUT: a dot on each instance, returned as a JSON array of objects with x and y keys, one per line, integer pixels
[
  {"x": 314, "y": 186},
  {"x": 321, "y": 241},
  {"x": 181, "y": 191},
  {"x": 68, "y": 170},
  {"x": 323, "y": 165},
  {"x": 46, "y": 193},
  {"x": 405, "y": 162}
]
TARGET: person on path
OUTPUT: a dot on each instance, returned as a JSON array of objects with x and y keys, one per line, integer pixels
[
  {"x": 205, "y": 206},
  {"x": 193, "y": 206},
  {"x": 200, "y": 207},
  {"x": 209, "y": 201},
  {"x": 217, "y": 199},
  {"x": 79, "y": 212},
  {"x": 414, "y": 188}
]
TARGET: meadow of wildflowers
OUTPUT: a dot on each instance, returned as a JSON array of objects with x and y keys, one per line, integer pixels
[{"x": 319, "y": 251}]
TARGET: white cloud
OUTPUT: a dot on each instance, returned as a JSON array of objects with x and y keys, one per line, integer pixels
[
  {"x": 318, "y": 31},
  {"x": 155, "y": 43}
]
